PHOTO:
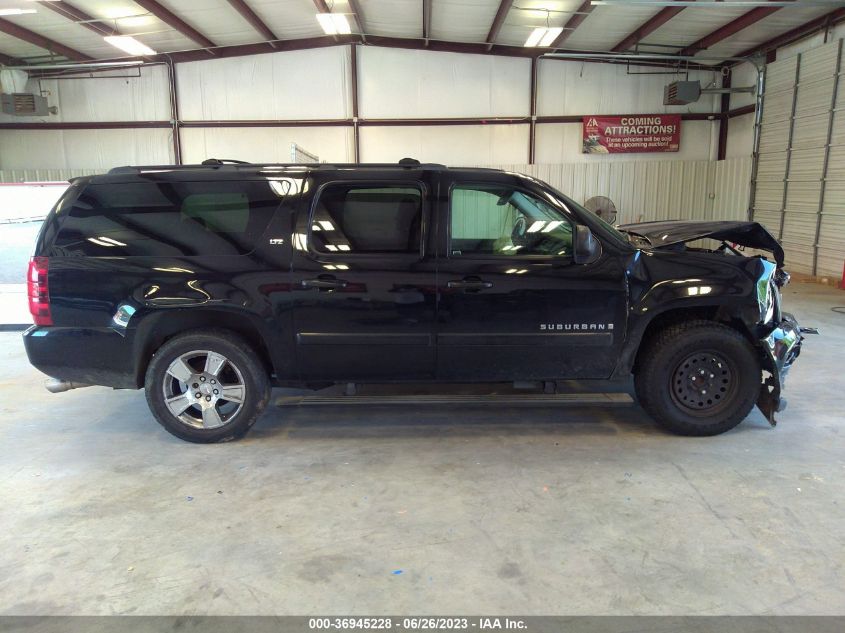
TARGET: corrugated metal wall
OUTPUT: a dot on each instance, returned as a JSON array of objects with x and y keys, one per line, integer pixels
[
  {"x": 392, "y": 83},
  {"x": 800, "y": 185},
  {"x": 44, "y": 175},
  {"x": 655, "y": 190},
  {"x": 641, "y": 190}
]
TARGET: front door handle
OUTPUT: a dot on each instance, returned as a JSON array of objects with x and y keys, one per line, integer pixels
[
  {"x": 324, "y": 282},
  {"x": 469, "y": 283}
]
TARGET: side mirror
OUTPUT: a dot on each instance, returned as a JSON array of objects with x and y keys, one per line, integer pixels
[{"x": 587, "y": 247}]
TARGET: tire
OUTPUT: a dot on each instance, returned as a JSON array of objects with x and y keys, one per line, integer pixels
[
  {"x": 698, "y": 378},
  {"x": 187, "y": 385}
]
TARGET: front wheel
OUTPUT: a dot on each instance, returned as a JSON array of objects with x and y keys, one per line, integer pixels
[
  {"x": 698, "y": 378},
  {"x": 207, "y": 387}
]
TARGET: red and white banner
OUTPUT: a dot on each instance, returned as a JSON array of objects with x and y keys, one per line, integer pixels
[{"x": 631, "y": 133}]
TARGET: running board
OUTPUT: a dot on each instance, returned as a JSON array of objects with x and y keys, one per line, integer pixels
[{"x": 542, "y": 399}]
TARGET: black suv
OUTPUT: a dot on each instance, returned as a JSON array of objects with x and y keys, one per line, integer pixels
[{"x": 208, "y": 284}]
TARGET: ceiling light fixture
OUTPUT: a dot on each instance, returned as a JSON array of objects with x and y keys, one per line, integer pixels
[
  {"x": 334, "y": 23},
  {"x": 16, "y": 11},
  {"x": 716, "y": 4},
  {"x": 543, "y": 36},
  {"x": 129, "y": 45}
]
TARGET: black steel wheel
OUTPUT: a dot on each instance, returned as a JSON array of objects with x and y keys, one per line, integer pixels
[
  {"x": 703, "y": 383},
  {"x": 698, "y": 378}
]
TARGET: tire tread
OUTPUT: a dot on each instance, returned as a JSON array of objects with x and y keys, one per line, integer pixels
[
  {"x": 253, "y": 370},
  {"x": 650, "y": 379}
]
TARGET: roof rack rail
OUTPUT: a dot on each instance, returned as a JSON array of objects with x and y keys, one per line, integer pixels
[
  {"x": 224, "y": 161},
  {"x": 216, "y": 163}
]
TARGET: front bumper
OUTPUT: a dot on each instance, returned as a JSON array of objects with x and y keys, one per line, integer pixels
[{"x": 780, "y": 349}]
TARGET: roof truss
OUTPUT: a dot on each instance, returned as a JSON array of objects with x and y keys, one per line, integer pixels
[
  {"x": 175, "y": 22},
  {"x": 647, "y": 28},
  {"x": 498, "y": 21},
  {"x": 825, "y": 21},
  {"x": 80, "y": 17},
  {"x": 581, "y": 14},
  {"x": 252, "y": 18},
  {"x": 731, "y": 28},
  {"x": 46, "y": 43}
]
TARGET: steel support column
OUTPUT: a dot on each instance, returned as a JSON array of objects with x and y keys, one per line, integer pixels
[
  {"x": 789, "y": 146},
  {"x": 532, "y": 130},
  {"x": 356, "y": 135},
  {"x": 174, "y": 113},
  {"x": 724, "y": 120},
  {"x": 836, "y": 81}
]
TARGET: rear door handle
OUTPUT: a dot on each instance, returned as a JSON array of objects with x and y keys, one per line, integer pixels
[
  {"x": 469, "y": 284},
  {"x": 324, "y": 283}
]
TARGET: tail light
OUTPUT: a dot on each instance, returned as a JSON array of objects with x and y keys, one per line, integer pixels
[{"x": 38, "y": 292}]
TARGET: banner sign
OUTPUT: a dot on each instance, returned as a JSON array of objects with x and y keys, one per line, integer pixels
[{"x": 631, "y": 133}]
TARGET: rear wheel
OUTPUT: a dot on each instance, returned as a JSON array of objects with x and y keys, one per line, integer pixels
[
  {"x": 207, "y": 387},
  {"x": 698, "y": 378}
]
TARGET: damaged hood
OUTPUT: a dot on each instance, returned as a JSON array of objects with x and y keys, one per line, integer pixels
[{"x": 749, "y": 234}]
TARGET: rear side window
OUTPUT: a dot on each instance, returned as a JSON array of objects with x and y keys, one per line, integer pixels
[
  {"x": 167, "y": 219},
  {"x": 367, "y": 219}
]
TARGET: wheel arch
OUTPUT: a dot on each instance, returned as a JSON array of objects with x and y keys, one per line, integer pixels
[
  {"x": 734, "y": 316},
  {"x": 158, "y": 328}
]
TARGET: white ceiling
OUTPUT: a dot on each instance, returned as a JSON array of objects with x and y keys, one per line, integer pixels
[{"x": 452, "y": 21}]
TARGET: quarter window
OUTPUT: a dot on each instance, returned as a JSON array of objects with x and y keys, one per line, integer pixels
[
  {"x": 167, "y": 219},
  {"x": 367, "y": 219},
  {"x": 503, "y": 221}
]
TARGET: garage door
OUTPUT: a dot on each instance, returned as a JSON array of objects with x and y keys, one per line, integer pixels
[{"x": 800, "y": 185}]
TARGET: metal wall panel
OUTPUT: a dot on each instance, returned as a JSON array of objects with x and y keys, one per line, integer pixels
[
  {"x": 655, "y": 190},
  {"x": 772, "y": 167},
  {"x": 807, "y": 164},
  {"x": 732, "y": 188},
  {"x": 769, "y": 196},
  {"x": 814, "y": 97},
  {"x": 780, "y": 75},
  {"x": 811, "y": 131},
  {"x": 778, "y": 106},
  {"x": 43, "y": 175},
  {"x": 774, "y": 137},
  {"x": 812, "y": 162},
  {"x": 819, "y": 63}
]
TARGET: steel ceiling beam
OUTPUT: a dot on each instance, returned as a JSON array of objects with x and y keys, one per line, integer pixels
[
  {"x": 647, "y": 28},
  {"x": 355, "y": 6},
  {"x": 731, "y": 28},
  {"x": 323, "y": 7},
  {"x": 581, "y": 14},
  {"x": 101, "y": 28},
  {"x": 46, "y": 43},
  {"x": 8, "y": 60},
  {"x": 252, "y": 18},
  {"x": 498, "y": 22},
  {"x": 175, "y": 22},
  {"x": 808, "y": 28},
  {"x": 479, "y": 48}
]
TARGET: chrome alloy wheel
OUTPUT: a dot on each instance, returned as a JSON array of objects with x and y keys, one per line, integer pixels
[{"x": 204, "y": 389}]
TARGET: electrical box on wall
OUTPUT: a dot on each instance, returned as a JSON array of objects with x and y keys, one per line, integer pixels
[
  {"x": 26, "y": 104},
  {"x": 681, "y": 93}
]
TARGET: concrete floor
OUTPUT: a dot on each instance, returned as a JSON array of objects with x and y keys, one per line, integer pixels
[{"x": 458, "y": 510}]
